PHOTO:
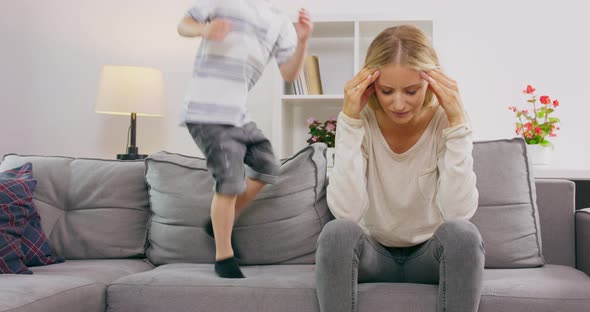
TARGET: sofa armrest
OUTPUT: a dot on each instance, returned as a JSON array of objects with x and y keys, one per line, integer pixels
[
  {"x": 556, "y": 202},
  {"x": 583, "y": 240}
]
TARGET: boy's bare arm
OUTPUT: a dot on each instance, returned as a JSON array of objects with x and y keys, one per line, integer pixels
[
  {"x": 291, "y": 68},
  {"x": 304, "y": 28},
  {"x": 215, "y": 30}
]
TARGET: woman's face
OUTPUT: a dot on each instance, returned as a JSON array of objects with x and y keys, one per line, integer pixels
[{"x": 401, "y": 92}]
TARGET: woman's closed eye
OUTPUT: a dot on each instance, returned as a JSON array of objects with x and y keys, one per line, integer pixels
[{"x": 388, "y": 92}]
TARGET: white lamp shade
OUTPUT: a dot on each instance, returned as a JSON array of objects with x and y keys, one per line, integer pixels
[{"x": 127, "y": 89}]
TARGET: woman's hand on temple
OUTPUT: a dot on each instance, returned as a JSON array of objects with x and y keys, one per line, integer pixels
[
  {"x": 447, "y": 93},
  {"x": 358, "y": 90}
]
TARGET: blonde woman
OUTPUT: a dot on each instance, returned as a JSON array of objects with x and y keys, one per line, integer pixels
[{"x": 402, "y": 188}]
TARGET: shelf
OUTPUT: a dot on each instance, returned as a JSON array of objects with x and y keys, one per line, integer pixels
[
  {"x": 548, "y": 172},
  {"x": 334, "y": 29},
  {"x": 312, "y": 99}
]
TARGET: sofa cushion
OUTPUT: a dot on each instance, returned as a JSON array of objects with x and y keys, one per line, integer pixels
[
  {"x": 17, "y": 186},
  {"x": 280, "y": 226},
  {"x": 103, "y": 271},
  {"x": 29, "y": 293},
  {"x": 507, "y": 216},
  {"x": 285, "y": 288},
  {"x": 196, "y": 287},
  {"x": 90, "y": 208},
  {"x": 76, "y": 285}
]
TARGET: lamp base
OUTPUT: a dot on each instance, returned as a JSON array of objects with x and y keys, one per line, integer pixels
[{"x": 130, "y": 156}]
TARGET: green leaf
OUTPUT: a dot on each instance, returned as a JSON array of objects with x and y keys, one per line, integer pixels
[
  {"x": 541, "y": 114},
  {"x": 553, "y": 120}
]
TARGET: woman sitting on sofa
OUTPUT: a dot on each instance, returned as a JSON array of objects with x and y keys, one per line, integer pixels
[{"x": 402, "y": 188}]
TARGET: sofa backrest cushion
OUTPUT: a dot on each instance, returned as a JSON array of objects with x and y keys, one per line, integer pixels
[
  {"x": 90, "y": 208},
  {"x": 507, "y": 216},
  {"x": 280, "y": 226}
]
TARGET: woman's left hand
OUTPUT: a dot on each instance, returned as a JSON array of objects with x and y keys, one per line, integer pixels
[{"x": 447, "y": 93}]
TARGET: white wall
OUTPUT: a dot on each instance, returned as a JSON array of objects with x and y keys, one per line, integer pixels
[{"x": 51, "y": 53}]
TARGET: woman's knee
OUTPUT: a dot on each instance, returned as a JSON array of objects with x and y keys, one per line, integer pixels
[
  {"x": 339, "y": 235},
  {"x": 460, "y": 236}
]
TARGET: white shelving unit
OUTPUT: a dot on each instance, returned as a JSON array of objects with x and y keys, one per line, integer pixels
[{"x": 341, "y": 46}]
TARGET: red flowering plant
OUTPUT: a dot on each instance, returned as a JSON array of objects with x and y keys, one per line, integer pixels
[
  {"x": 535, "y": 124},
  {"x": 322, "y": 131}
]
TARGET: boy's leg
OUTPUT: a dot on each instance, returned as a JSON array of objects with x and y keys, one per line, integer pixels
[
  {"x": 253, "y": 187},
  {"x": 224, "y": 151},
  {"x": 222, "y": 217},
  {"x": 263, "y": 169}
]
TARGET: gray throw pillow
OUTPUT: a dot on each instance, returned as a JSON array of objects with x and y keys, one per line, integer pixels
[
  {"x": 280, "y": 226},
  {"x": 90, "y": 208},
  {"x": 507, "y": 216}
]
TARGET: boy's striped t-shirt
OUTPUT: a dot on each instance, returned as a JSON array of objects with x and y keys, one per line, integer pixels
[{"x": 224, "y": 71}]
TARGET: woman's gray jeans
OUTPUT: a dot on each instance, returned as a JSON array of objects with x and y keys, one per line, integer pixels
[{"x": 453, "y": 258}]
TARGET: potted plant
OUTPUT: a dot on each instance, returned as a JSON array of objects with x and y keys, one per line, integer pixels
[
  {"x": 323, "y": 132},
  {"x": 536, "y": 124}
]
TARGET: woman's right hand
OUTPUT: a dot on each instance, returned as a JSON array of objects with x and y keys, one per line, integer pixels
[{"x": 357, "y": 92}]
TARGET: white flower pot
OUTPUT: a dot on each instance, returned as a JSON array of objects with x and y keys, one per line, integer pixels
[
  {"x": 540, "y": 155},
  {"x": 330, "y": 156}
]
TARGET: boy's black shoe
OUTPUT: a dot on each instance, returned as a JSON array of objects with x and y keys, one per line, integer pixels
[{"x": 228, "y": 268}]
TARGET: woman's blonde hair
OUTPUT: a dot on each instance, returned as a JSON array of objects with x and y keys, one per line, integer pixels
[{"x": 405, "y": 45}]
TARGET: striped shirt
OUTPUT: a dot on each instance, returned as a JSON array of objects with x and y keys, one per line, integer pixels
[{"x": 224, "y": 71}]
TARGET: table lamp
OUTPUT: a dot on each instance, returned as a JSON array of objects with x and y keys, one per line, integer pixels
[{"x": 130, "y": 91}]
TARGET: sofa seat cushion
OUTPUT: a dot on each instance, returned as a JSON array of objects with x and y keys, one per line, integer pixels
[
  {"x": 102, "y": 271},
  {"x": 195, "y": 287},
  {"x": 548, "y": 288},
  {"x": 75, "y": 285},
  {"x": 37, "y": 292}
]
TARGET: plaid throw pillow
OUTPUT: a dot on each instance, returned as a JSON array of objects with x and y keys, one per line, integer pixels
[
  {"x": 16, "y": 200},
  {"x": 34, "y": 243},
  {"x": 23, "y": 240}
]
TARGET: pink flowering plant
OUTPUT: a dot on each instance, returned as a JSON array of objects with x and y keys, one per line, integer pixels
[
  {"x": 535, "y": 124},
  {"x": 322, "y": 131}
]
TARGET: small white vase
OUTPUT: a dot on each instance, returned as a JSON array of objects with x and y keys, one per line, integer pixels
[
  {"x": 330, "y": 156},
  {"x": 540, "y": 155}
]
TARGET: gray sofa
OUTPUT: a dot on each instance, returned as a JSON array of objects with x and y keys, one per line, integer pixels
[{"x": 133, "y": 243}]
